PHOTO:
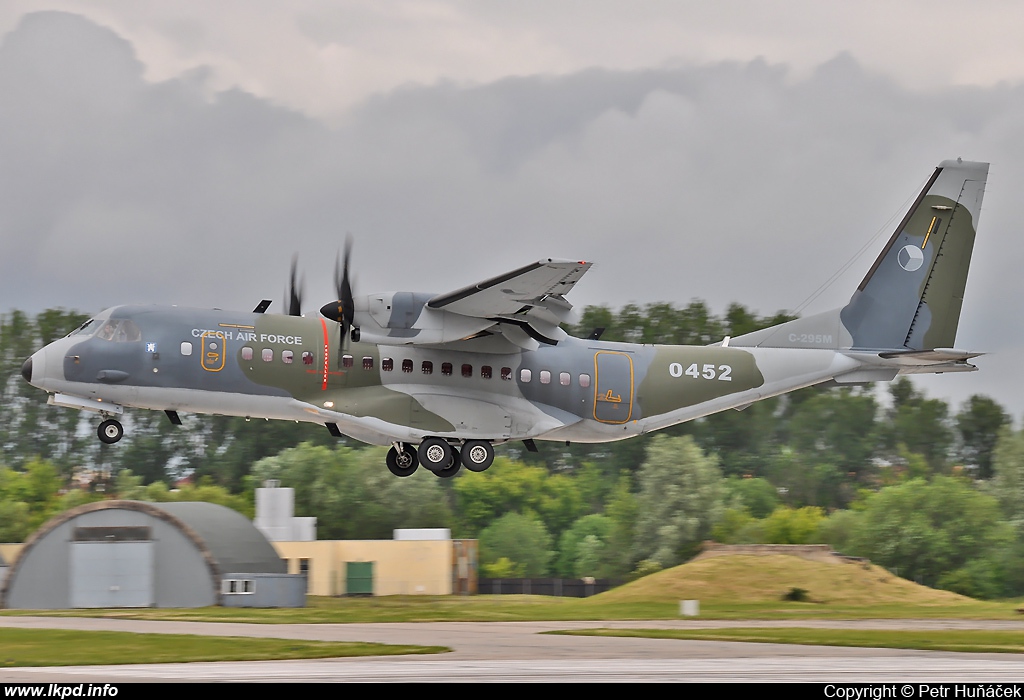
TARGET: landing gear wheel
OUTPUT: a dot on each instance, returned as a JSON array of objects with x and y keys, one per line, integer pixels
[
  {"x": 477, "y": 455},
  {"x": 402, "y": 463},
  {"x": 110, "y": 431},
  {"x": 453, "y": 468},
  {"x": 435, "y": 454}
]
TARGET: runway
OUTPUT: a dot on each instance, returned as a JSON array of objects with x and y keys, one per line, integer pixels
[{"x": 517, "y": 651}]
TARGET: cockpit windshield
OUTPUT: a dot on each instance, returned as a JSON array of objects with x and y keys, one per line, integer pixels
[
  {"x": 87, "y": 328},
  {"x": 119, "y": 331}
]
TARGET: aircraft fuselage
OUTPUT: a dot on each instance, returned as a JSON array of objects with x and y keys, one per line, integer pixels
[{"x": 290, "y": 368}]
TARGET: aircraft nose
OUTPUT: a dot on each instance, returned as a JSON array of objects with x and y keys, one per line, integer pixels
[{"x": 26, "y": 370}]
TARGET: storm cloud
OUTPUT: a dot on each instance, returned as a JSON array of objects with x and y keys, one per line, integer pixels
[{"x": 733, "y": 181}]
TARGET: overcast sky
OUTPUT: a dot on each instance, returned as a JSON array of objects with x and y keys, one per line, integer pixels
[{"x": 182, "y": 152}]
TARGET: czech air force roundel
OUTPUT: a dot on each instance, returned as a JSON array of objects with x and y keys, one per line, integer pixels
[{"x": 910, "y": 258}]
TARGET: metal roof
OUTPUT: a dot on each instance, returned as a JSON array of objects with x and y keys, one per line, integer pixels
[{"x": 232, "y": 540}]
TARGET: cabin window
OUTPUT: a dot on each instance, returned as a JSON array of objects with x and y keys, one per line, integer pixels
[
  {"x": 545, "y": 377},
  {"x": 427, "y": 367},
  {"x": 307, "y": 358},
  {"x": 386, "y": 364},
  {"x": 564, "y": 378},
  {"x": 407, "y": 365},
  {"x": 367, "y": 363},
  {"x": 506, "y": 374},
  {"x": 346, "y": 360},
  {"x": 268, "y": 355},
  {"x": 525, "y": 375},
  {"x": 446, "y": 369},
  {"x": 485, "y": 372},
  {"x": 584, "y": 380},
  {"x": 467, "y": 370},
  {"x": 246, "y": 351},
  {"x": 186, "y": 349},
  {"x": 287, "y": 356}
]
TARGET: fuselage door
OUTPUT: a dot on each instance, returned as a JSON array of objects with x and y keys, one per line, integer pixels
[
  {"x": 213, "y": 351},
  {"x": 613, "y": 387}
]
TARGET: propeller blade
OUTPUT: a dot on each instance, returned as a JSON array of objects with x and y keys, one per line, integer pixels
[
  {"x": 294, "y": 300},
  {"x": 345, "y": 289},
  {"x": 343, "y": 309}
]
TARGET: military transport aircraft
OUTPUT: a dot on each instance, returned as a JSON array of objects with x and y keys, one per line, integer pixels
[{"x": 456, "y": 373}]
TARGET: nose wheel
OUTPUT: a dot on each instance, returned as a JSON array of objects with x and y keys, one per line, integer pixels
[
  {"x": 110, "y": 431},
  {"x": 404, "y": 462}
]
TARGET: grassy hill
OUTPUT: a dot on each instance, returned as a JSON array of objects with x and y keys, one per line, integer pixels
[{"x": 750, "y": 579}]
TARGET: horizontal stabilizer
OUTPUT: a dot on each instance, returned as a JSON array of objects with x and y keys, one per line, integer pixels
[{"x": 938, "y": 355}]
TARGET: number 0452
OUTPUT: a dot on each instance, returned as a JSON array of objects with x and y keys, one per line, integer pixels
[{"x": 722, "y": 373}]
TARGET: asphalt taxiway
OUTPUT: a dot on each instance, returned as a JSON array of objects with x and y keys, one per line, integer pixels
[{"x": 518, "y": 651}]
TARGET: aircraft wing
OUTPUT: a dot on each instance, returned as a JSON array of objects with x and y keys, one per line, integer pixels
[{"x": 530, "y": 298}]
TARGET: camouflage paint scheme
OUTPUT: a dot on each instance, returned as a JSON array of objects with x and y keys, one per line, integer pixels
[{"x": 901, "y": 319}]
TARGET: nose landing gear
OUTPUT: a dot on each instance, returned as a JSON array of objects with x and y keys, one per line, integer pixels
[{"x": 402, "y": 460}]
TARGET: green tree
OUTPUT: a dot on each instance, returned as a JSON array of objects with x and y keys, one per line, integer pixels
[
  {"x": 980, "y": 422},
  {"x": 622, "y": 510},
  {"x": 837, "y": 426},
  {"x": 352, "y": 494},
  {"x": 922, "y": 425},
  {"x": 513, "y": 487},
  {"x": 1008, "y": 465},
  {"x": 924, "y": 530},
  {"x": 793, "y": 525},
  {"x": 582, "y": 547},
  {"x": 804, "y": 480},
  {"x": 29, "y": 428},
  {"x": 758, "y": 496},
  {"x": 679, "y": 502},
  {"x": 520, "y": 539},
  {"x": 837, "y": 529}
]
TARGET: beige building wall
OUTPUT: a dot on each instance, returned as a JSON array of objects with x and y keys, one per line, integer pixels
[
  {"x": 10, "y": 551},
  {"x": 400, "y": 567}
]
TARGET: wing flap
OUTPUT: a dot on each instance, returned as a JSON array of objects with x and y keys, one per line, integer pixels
[{"x": 539, "y": 287}]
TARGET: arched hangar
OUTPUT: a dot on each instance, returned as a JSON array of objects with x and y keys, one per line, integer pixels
[{"x": 139, "y": 554}]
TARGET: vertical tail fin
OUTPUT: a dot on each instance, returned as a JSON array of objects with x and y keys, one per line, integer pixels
[{"x": 912, "y": 295}]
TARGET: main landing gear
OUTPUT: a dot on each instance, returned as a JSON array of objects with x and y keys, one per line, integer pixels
[
  {"x": 440, "y": 457},
  {"x": 110, "y": 431}
]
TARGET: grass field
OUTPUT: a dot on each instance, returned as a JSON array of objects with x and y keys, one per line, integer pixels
[
  {"x": 992, "y": 641},
  {"x": 732, "y": 587},
  {"x": 21, "y": 647},
  {"x": 728, "y": 587}
]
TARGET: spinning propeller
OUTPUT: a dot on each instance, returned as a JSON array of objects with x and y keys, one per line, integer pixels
[
  {"x": 342, "y": 311},
  {"x": 293, "y": 298}
]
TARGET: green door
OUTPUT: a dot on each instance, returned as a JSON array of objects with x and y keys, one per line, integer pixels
[{"x": 359, "y": 578}]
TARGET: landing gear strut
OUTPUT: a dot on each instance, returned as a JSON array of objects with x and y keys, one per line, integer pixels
[
  {"x": 110, "y": 431},
  {"x": 402, "y": 462}
]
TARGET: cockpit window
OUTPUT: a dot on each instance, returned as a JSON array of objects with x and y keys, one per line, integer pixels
[
  {"x": 87, "y": 328},
  {"x": 122, "y": 331}
]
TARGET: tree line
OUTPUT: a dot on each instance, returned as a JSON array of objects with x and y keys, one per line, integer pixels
[{"x": 933, "y": 493}]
